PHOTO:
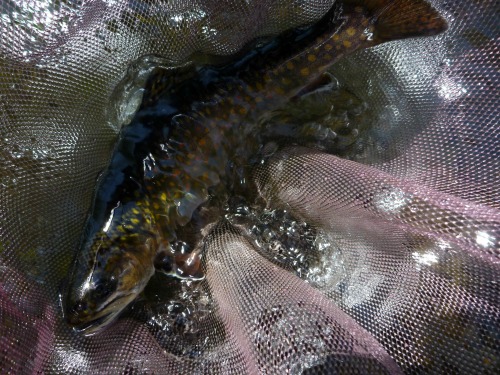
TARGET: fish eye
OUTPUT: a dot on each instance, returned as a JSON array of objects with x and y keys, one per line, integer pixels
[
  {"x": 100, "y": 290},
  {"x": 80, "y": 307}
]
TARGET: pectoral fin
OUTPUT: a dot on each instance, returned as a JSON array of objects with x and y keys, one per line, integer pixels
[{"x": 182, "y": 266}]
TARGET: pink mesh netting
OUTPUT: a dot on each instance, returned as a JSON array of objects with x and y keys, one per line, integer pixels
[{"x": 406, "y": 226}]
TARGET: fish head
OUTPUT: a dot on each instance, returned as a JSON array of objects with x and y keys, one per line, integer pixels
[{"x": 112, "y": 268}]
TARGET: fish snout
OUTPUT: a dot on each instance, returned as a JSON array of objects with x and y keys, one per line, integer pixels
[{"x": 77, "y": 312}]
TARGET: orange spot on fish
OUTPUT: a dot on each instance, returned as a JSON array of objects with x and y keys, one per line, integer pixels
[
  {"x": 304, "y": 71},
  {"x": 311, "y": 58},
  {"x": 347, "y": 43},
  {"x": 290, "y": 65},
  {"x": 351, "y": 31}
]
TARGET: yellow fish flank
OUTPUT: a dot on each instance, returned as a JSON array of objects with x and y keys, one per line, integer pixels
[{"x": 119, "y": 255}]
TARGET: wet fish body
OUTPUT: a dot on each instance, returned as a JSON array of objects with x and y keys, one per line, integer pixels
[{"x": 130, "y": 240}]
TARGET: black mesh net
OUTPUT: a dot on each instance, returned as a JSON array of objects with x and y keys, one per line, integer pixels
[{"x": 364, "y": 237}]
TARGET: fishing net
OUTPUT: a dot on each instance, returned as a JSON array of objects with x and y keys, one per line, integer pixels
[{"x": 379, "y": 259}]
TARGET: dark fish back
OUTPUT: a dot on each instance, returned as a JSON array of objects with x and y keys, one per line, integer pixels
[{"x": 223, "y": 126}]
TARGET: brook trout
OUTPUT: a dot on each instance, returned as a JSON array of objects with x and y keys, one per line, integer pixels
[{"x": 130, "y": 240}]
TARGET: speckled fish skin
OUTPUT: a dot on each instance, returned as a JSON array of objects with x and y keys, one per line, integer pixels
[{"x": 118, "y": 259}]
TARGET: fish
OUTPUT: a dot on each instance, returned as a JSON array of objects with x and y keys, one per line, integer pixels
[{"x": 130, "y": 239}]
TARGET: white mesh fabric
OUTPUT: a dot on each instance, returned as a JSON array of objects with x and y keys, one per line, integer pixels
[
  {"x": 401, "y": 243},
  {"x": 282, "y": 331},
  {"x": 418, "y": 241}
]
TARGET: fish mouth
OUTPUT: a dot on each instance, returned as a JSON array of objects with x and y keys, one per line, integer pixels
[
  {"x": 91, "y": 321},
  {"x": 89, "y": 324},
  {"x": 91, "y": 327}
]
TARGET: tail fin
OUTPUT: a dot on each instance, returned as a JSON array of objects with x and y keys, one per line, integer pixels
[{"x": 400, "y": 19}]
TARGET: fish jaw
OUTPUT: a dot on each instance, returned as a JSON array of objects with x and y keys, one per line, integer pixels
[{"x": 91, "y": 324}]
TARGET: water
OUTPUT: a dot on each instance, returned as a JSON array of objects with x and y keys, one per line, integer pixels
[{"x": 325, "y": 116}]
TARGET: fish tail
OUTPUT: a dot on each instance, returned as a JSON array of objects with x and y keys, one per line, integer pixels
[{"x": 400, "y": 19}]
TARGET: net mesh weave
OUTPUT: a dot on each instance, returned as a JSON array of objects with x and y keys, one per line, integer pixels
[{"x": 414, "y": 214}]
